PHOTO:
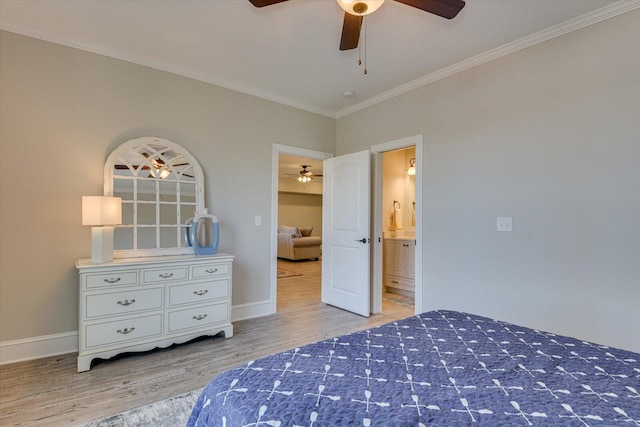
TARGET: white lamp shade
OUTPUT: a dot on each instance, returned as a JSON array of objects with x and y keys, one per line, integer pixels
[
  {"x": 101, "y": 210},
  {"x": 348, "y": 6}
]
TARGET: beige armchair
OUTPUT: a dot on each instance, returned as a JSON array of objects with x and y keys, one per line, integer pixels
[{"x": 297, "y": 243}]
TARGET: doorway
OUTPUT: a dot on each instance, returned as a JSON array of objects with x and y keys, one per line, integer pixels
[
  {"x": 398, "y": 226},
  {"x": 402, "y": 154},
  {"x": 296, "y": 203}
]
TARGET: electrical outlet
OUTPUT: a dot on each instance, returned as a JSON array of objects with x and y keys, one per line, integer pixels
[{"x": 504, "y": 223}]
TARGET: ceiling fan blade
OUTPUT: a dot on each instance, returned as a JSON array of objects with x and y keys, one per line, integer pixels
[
  {"x": 263, "y": 3},
  {"x": 124, "y": 167},
  {"x": 350, "y": 31},
  {"x": 445, "y": 8}
]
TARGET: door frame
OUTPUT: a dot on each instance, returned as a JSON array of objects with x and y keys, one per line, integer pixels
[
  {"x": 276, "y": 150},
  {"x": 377, "y": 214}
]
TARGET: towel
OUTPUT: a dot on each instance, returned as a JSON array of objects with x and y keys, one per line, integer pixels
[
  {"x": 397, "y": 218},
  {"x": 413, "y": 215}
]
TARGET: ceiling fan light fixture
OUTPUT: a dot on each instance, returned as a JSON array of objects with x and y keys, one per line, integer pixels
[
  {"x": 164, "y": 173},
  {"x": 360, "y": 7},
  {"x": 304, "y": 175}
]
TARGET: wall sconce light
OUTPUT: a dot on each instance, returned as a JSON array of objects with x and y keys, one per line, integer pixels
[
  {"x": 103, "y": 213},
  {"x": 412, "y": 167}
]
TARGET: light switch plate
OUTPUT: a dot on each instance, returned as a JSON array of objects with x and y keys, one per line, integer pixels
[
  {"x": 504, "y": 223},
  {"x": 258, "y": 221}
]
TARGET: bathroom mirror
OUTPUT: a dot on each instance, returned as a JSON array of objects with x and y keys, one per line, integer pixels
[{"x": 161, "y": 186}]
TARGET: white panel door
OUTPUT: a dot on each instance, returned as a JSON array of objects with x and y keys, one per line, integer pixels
[{"x": 345, "y": 232}]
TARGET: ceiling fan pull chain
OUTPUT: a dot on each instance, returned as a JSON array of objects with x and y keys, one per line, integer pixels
[
  {"x": 360, "y": 52},
  {"x": 365, "y": 44}
]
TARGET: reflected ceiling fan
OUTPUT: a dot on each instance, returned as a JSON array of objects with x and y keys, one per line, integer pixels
[
  {"x": 355, "y": 10},
  {"x": 158, "y": 167}
]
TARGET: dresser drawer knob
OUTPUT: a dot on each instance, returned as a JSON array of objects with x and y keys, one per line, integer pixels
[
  {"x": 201, "y": 292},
  {"x": 112, "y": 280},
  {"x": 211, "y": 270},
  {"x": 166, "y": 275},
  {"x": 199, "y": 317},
  {"x": 126, "y": 302},
  {"x": 125, "y": 331}
]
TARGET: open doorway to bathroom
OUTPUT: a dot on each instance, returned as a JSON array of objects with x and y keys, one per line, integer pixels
[{"x": 398, "y": 226}]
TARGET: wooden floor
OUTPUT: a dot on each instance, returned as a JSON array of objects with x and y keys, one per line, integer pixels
[{"x": 49, "y": 392}]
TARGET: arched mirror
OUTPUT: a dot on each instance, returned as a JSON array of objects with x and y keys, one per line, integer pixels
[{"x": 161, "y": 186}]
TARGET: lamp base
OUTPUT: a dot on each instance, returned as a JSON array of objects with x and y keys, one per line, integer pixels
[{"x": 101, "y": 244}]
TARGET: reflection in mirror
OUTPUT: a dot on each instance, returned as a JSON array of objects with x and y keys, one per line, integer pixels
[
  {"x": 146, "y": 238},
  {"x": 169, "y": 236},
  {"x": 168, "y": 214},
  {"x": 123, "y": 236},
  {"x": 146, "y": 213},
  {"x": 168, "y": 191},
  {"x": 160, "y": 184}
]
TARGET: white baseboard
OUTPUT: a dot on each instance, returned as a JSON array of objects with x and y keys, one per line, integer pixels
[
  {"x": 251, "y": 310},
  {"x": 38, "y": 347},
  {"x": 67, "y": 342}
]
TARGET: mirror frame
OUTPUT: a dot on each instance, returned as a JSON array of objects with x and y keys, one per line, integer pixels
[{"x": 136, "y": 143}]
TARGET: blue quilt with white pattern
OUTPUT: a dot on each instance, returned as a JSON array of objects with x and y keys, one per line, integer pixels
[{"x": 440, "y": 368}]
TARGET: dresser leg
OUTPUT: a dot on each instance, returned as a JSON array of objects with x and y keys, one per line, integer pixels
[
  {"x": 228, "y": 331},
  {"x": 84, "y": 363}
]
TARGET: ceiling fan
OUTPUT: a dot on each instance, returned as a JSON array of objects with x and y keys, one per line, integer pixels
[
  {"x": 306, "y": 175},
  {"x": 156, "y": 167},
  {"x": 355, "y": 10}
]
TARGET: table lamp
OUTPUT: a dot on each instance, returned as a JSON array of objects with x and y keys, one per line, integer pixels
[{"x": 103, "y": 213}]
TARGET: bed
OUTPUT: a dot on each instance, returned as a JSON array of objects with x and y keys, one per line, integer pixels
[{"x": 441, "y": 368}]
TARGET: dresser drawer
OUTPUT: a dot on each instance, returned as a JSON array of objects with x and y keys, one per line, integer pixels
[
  {"x": 123, "y": 330},
  {"x": 200, "y": 316},
  {"x": 210, "y": 270},
  {"x": 198, "y": 292},
  {"x": 115, "y": 278},
  {"x": 159, "y": 275},
  {"x": 123, "y": 302},
  {"x": 398, "y": 283}
]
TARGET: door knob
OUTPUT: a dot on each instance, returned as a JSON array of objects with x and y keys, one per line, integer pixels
[{"x": 363, "y": 240}]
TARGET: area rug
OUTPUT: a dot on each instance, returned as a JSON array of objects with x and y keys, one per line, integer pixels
[
  {"x": 170, "y": 412},
  {"x": 285, "y": 273}
]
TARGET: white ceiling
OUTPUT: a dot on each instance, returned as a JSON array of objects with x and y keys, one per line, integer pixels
[{"x": 289, "y": 53}]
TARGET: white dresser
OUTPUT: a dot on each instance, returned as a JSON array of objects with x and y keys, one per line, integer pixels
[
  {"x": 137, "y": 304},
  {"x": 399, "y": 256}
]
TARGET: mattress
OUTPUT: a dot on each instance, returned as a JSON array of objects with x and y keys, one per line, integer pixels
[{"x": 440, "y": 368}]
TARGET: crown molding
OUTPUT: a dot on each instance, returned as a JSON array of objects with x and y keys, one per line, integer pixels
[
  {"x": 585, "y": 20},
  {"x": 162, "y": 66}
]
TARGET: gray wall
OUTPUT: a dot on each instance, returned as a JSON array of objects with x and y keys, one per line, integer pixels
[
  {"x": 551, "y": 137},
  {"x": 63, "y": 112},
  {"x": 301, "y": 210}
]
